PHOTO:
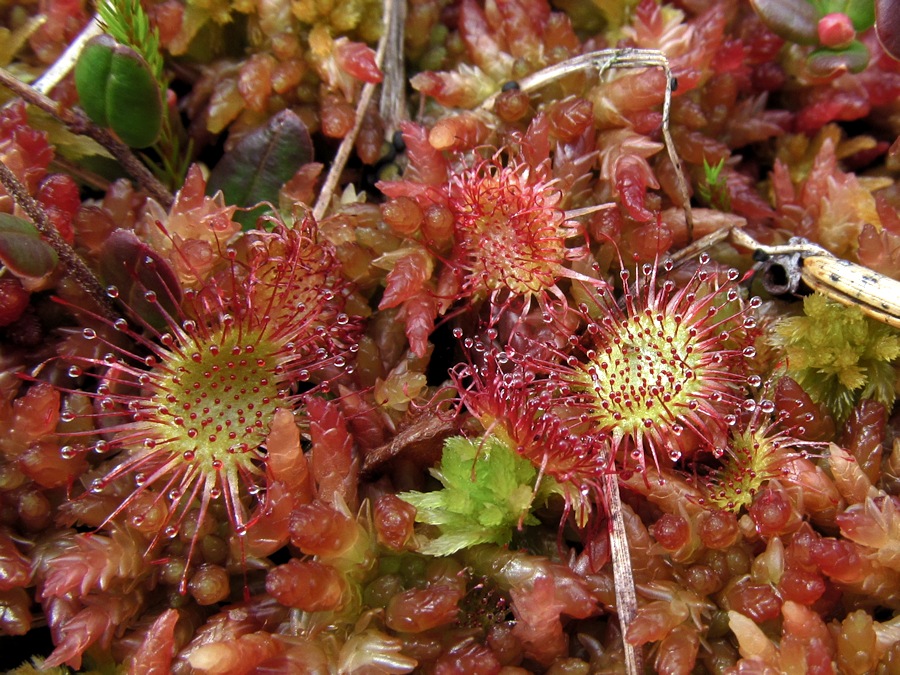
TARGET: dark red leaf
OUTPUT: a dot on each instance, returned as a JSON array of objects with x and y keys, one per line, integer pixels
[
  {"x": 887, "y": 26},
  {"x": 134, "y": 269},
  {"x": 261, "y": 163}
]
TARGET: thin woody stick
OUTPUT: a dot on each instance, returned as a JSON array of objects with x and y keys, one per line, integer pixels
[
  {"x": 72, "y": 263},
  {"x": 392, "y": 104},
  {"x": 66, "y": 61},
  {"x": 346, "y": 146},
  {"x": 700, "y": 245},
  {"x": 626, "y": 597},
  {"x": 343, "y": 154}
]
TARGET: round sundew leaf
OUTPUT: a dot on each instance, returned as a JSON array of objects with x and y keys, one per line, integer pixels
[
  {"x": 23, "y": 251},
  {"x": 260, "y": 163},
  {"x": 793, "y": 20},
  {"x": 827, "y": 62},
  {"x": 117, "y": 89},
  {"x": 887, "y": 26}
]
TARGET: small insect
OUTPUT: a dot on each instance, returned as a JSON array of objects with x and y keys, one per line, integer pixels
[{"x": 800, "y": 265}]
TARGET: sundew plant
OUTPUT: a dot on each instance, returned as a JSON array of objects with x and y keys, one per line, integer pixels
[{"x": 377, "y": 337}]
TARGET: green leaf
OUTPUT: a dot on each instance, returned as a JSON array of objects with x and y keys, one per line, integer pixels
[
  {"x": 128, "y": 23},
  {"x": 255, "y": 170},
  {"x": 827, "y": 62},
  {"x": 91, "y": 74},
  {"x": 23, "y": 251},
  {"x": 838, "y": 355},
  {"x": 861, "y": 13},
  {"x": 488, "y": 491},
  {"x": 117, "y": 89}
]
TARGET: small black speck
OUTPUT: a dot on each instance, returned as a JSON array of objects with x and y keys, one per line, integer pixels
[
  {"x": 511, "y": 85},
  {"x": 398, "y": 142}
]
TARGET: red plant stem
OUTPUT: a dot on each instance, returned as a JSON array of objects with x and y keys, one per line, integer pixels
[
  {"x": 80, "y": 124},
  {"x": 73, "y": 265}
]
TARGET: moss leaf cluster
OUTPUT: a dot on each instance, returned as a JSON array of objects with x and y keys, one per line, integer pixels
[
  {"x": 488, "y": 491},
  {"x": 838, "y": 355}
]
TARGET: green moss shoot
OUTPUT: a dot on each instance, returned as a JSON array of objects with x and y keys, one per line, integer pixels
[
  {"x": 488, "y": 492},
  {"x": 838, "y": 355}
]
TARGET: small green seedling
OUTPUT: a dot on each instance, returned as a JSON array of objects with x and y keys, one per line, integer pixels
[
  {"x": 117, "y": 90},
  {"x": 714, "y": 188}
]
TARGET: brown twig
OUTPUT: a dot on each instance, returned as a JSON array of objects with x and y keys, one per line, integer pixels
[
  {"x": 346, "y": 146},
  {"x": 72, "y": 263},
  {"x": 392, "y": 104},
  {"x": 626, "y": 598},
  {"x": 343, "y": 154},
  {"x": 80, "y": 124}
]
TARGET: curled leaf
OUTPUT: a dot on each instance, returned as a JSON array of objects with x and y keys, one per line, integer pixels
[{"x": 358, "y": 59}]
